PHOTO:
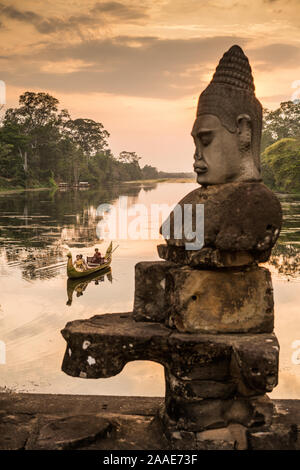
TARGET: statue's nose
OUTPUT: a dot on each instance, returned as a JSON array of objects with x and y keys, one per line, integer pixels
[
  {"x": 200, "y": 164},
  {"x": 198, "y": 155}
]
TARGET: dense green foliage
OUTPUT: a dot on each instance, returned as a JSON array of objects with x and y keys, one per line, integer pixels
[
  {"x": 280, "y": 159},
  {"x": 281, "y": 123},
  {"x": 42, "y": 146},
  {"x": 281, "y": 165}
]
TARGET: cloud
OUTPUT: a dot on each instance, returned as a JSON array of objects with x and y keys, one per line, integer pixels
[
  {"x": 145, "y": 66},
  {"x": 275, "y": 56},
  {"x": 132, "y": 66},
  {"x": 100, "y": 13},
  {"x": 13, "y": 13},
  {"x": 40, "y": 23},
  {"x": 119, "y": 10}
]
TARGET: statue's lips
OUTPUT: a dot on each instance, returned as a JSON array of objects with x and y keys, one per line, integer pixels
[{"x": 200, "y": 170}]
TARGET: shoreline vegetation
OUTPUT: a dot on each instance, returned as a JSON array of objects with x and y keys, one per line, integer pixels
[
  {"x": 22, "y": 190},
  {"x": 142, "y": 181},
  {"x": 164, "y": 180},
  {"x": 42, "y": 147}
]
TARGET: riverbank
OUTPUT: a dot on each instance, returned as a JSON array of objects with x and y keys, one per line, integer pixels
[
  {"x": 150, "y": 181},
  {"x": 22, "y": 190},
  {"x": 4, "y": 191},
  {"x": 162, "y": 180}
]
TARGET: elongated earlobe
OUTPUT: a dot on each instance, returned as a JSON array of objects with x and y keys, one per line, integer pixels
[{"x": 244, "y": 129}]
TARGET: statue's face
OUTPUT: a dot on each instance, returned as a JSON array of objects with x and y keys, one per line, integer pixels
[{"x": 217, "y": 155}]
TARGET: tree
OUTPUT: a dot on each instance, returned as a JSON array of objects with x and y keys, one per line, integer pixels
[
  {"x": 281, "y": 165},
  {"x": 129, "y": 157},
  {"x": 281, "y": 123},
  {"x": 149, "y": 172},
  {"x": 5, "y": 160},
  {"x": 36, "y": 122},
  {"x": 40, "y": 143},
  {"x": 36, "y": 110},
  {"x": 89, "y": 135}
]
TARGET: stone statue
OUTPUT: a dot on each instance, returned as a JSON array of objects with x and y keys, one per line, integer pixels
[
  {"x": 206, "y": 314},
  {"x": 227, "y": 129},
  {"x": 242, "y": 216}
]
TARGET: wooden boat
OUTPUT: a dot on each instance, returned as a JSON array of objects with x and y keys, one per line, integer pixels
[{"x": 74, "y": 274}]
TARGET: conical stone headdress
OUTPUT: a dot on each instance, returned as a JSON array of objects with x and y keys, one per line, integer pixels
[{"x": 231, "y": 93}]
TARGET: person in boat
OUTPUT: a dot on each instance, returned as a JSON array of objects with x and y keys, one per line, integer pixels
[
  {"x": 80, "y": 264},
  {"x": 96, "y": 259}
]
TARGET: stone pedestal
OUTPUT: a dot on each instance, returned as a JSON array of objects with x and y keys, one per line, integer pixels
[
  {"x": 238, "y": 300},
  {"x": 212, "y": 381},
  {"x": 149, "y": 296},
  {"x": 207, "y": 317},
  {"x": 220, "y": 301}
]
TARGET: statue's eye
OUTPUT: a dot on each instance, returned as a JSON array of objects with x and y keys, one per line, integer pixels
[{"x": 205, "y": 138}]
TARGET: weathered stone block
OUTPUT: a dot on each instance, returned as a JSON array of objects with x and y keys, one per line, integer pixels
[
  {"x": 72, "y": 431},
  {"x": 255, "y": 411},
  {"x": 191, "y": 390},
  {"x": 242, "y": 218},
  {"x": 194, "y": 416},
  {"x": 233, "y": 437},
  {"x": 277, "y": 437},
  {"x": 220, "y": 301},
  {"x": 101, "y": 346},
  {"x": 199, "y": 357},
  {"x": 205, "y": 414},
  {"x": 255, "y": 365},
  {"x": 208, "y": 257},
  {"x": 15, "y": 430},
  {"x": 149, "y": 296}
]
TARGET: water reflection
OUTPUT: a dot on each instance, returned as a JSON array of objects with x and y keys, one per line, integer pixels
[
  {"x": 40, "y": 219},
  {"x": 286, "y": 260},
  {"x": 37, "y": 229},
  {"x": 79, "y": 285},
  {"x": 285, "y": 256}
]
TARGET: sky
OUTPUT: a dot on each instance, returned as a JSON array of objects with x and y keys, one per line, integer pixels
[{"x": 139, "y": 67}]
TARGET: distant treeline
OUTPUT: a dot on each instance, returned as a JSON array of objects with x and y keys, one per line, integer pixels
[
  {"x": 150, "y": 172},
  {"x": 41, "y": 146}
]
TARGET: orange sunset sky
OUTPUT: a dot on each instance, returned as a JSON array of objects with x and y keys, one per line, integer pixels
[{"x": 139, "y": 66}]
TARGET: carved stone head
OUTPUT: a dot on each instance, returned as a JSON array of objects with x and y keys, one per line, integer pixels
[{"x": 227, "y": 130}]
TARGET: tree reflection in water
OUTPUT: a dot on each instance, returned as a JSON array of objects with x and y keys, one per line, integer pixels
[
  {"x": 38, "y": 228},
  {"x": 286, "y": 253},
  {"x": 286, "y": 259}
]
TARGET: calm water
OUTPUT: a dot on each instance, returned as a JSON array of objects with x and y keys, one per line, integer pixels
[{"x": 37, "y": 229}]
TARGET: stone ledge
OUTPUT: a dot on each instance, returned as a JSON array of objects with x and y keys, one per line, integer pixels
[
  {"x": 101, "y": 346},
  {"x": 125, "y": 423}
]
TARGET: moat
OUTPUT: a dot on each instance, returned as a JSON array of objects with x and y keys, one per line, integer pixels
[{"x": 36, "y": 231}]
